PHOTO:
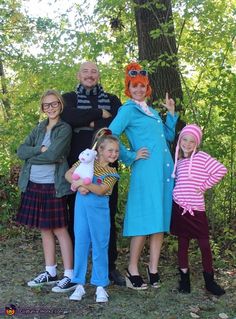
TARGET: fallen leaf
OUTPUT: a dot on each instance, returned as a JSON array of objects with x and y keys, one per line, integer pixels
[
  {"x": 193, "y": 315},
  {"x": 223, "y": 316},
  {"x": 194, "y": 309}
]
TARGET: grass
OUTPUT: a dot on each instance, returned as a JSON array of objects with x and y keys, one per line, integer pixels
[{"x": 21, "y": 258}]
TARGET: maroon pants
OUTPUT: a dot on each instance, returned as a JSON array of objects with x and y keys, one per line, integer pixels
[{"x": 205, "y": 248}]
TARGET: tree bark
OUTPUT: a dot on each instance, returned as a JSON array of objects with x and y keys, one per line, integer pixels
[{"x": 160, "y": 51}]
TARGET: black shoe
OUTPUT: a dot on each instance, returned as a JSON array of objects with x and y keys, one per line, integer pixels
[
  {"x": 116, "y": 278},
  {"x": 211, "y": 285},
  {"x": 135, "y": 281},
  {"x": 43, "y": 279},
  {"x": 64, "y": 285},
  {"x": 154, "y": 279},
  {"x": 184, "y": 283}
]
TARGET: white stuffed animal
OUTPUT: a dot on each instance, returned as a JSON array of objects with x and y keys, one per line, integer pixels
[{"x": 86, "y": 167}]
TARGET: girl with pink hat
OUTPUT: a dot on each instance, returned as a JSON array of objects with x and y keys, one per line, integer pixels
[{"x": 195, "y": 172}]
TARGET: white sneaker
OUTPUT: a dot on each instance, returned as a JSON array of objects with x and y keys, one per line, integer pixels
[
  {"x": 101, "y": 295},
  {"x": 78, "y": 293}
]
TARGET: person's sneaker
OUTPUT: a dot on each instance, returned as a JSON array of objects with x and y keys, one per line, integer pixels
[
  {"x": 101, "y": 295},
  {"x": 64, "y": 285},
  {"x": 43, "y": 279},
  {"x": 78, "y": 293},
  {"x": 116, "y": 277}
]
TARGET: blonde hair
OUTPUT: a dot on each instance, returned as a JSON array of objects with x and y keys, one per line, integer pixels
[
  {"x": 181, "y": 153},
  {"x": 56, "y": 94},
  {"x": 103, "y": 140}
]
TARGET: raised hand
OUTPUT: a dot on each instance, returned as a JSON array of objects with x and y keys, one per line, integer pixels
[{"x": 169, "y": 104}]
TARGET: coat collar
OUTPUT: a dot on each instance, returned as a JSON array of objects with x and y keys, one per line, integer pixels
[
  {"x": 43, "y": 124},
  {"x": 138, "y": 107}
]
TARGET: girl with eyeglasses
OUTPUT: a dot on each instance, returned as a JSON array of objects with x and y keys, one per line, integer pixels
[
  {"x": 149, "y": 203},
  {"x": 44, "y": 189}
]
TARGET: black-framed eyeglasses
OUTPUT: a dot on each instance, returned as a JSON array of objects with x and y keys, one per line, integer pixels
[
  {"x": 53, "y": 104},
  {"x": 134, "y": 73}
]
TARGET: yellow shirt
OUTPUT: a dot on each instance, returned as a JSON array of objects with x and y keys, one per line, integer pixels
[{"x": 106, "y": 175}]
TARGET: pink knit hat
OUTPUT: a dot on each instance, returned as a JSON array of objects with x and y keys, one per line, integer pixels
[{"x": 196, "y": 132}]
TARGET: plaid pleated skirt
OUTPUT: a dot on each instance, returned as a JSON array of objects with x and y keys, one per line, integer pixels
[
  {"x": 187, "y": 225},
  {"x": 40, "y": 208}
]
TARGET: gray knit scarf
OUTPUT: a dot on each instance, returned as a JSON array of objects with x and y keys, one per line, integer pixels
[{"x": 83, "y": 101}]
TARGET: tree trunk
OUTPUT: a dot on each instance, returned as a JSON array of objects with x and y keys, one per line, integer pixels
[
  {"x": 5, "y": 101},
  {"x": 160, "y": 48}
]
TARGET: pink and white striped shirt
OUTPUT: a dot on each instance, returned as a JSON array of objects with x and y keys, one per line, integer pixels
[{"x": 205, "y": 173}]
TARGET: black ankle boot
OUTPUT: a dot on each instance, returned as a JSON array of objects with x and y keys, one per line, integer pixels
[
  {"x": 184, "y": 283},
  {"x": 211, "y": 285}
]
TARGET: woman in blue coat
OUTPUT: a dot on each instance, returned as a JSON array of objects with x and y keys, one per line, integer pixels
[{"x": 149, "y": 203}]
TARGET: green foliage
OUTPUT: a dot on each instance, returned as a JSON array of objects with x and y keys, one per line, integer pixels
[
  {"x": 42, "y": 53},
  {"x": 9, "y": 199}
]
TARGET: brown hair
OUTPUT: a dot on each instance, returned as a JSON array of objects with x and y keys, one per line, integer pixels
[{"x": 56, "y": 94}]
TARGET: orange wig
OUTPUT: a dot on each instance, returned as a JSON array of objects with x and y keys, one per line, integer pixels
[{"x": 136, "y": 79}]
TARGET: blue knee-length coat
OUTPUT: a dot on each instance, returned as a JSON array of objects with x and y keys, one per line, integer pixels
[{"x": 149, "y": 202}]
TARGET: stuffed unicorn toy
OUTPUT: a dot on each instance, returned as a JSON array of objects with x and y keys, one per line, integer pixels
[{"x": 86, "y": 167}]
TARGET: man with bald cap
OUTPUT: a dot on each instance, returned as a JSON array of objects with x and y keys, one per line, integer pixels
[{"x": 88, "y": 109}]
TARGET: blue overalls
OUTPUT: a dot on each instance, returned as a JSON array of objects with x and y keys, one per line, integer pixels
[{"x": 92, "y": 230}]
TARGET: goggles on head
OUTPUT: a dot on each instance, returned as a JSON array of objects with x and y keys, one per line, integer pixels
[{"x": 134, "y": 73}]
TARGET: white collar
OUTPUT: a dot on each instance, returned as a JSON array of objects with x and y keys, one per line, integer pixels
[{"x": 143, "y": 106}]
